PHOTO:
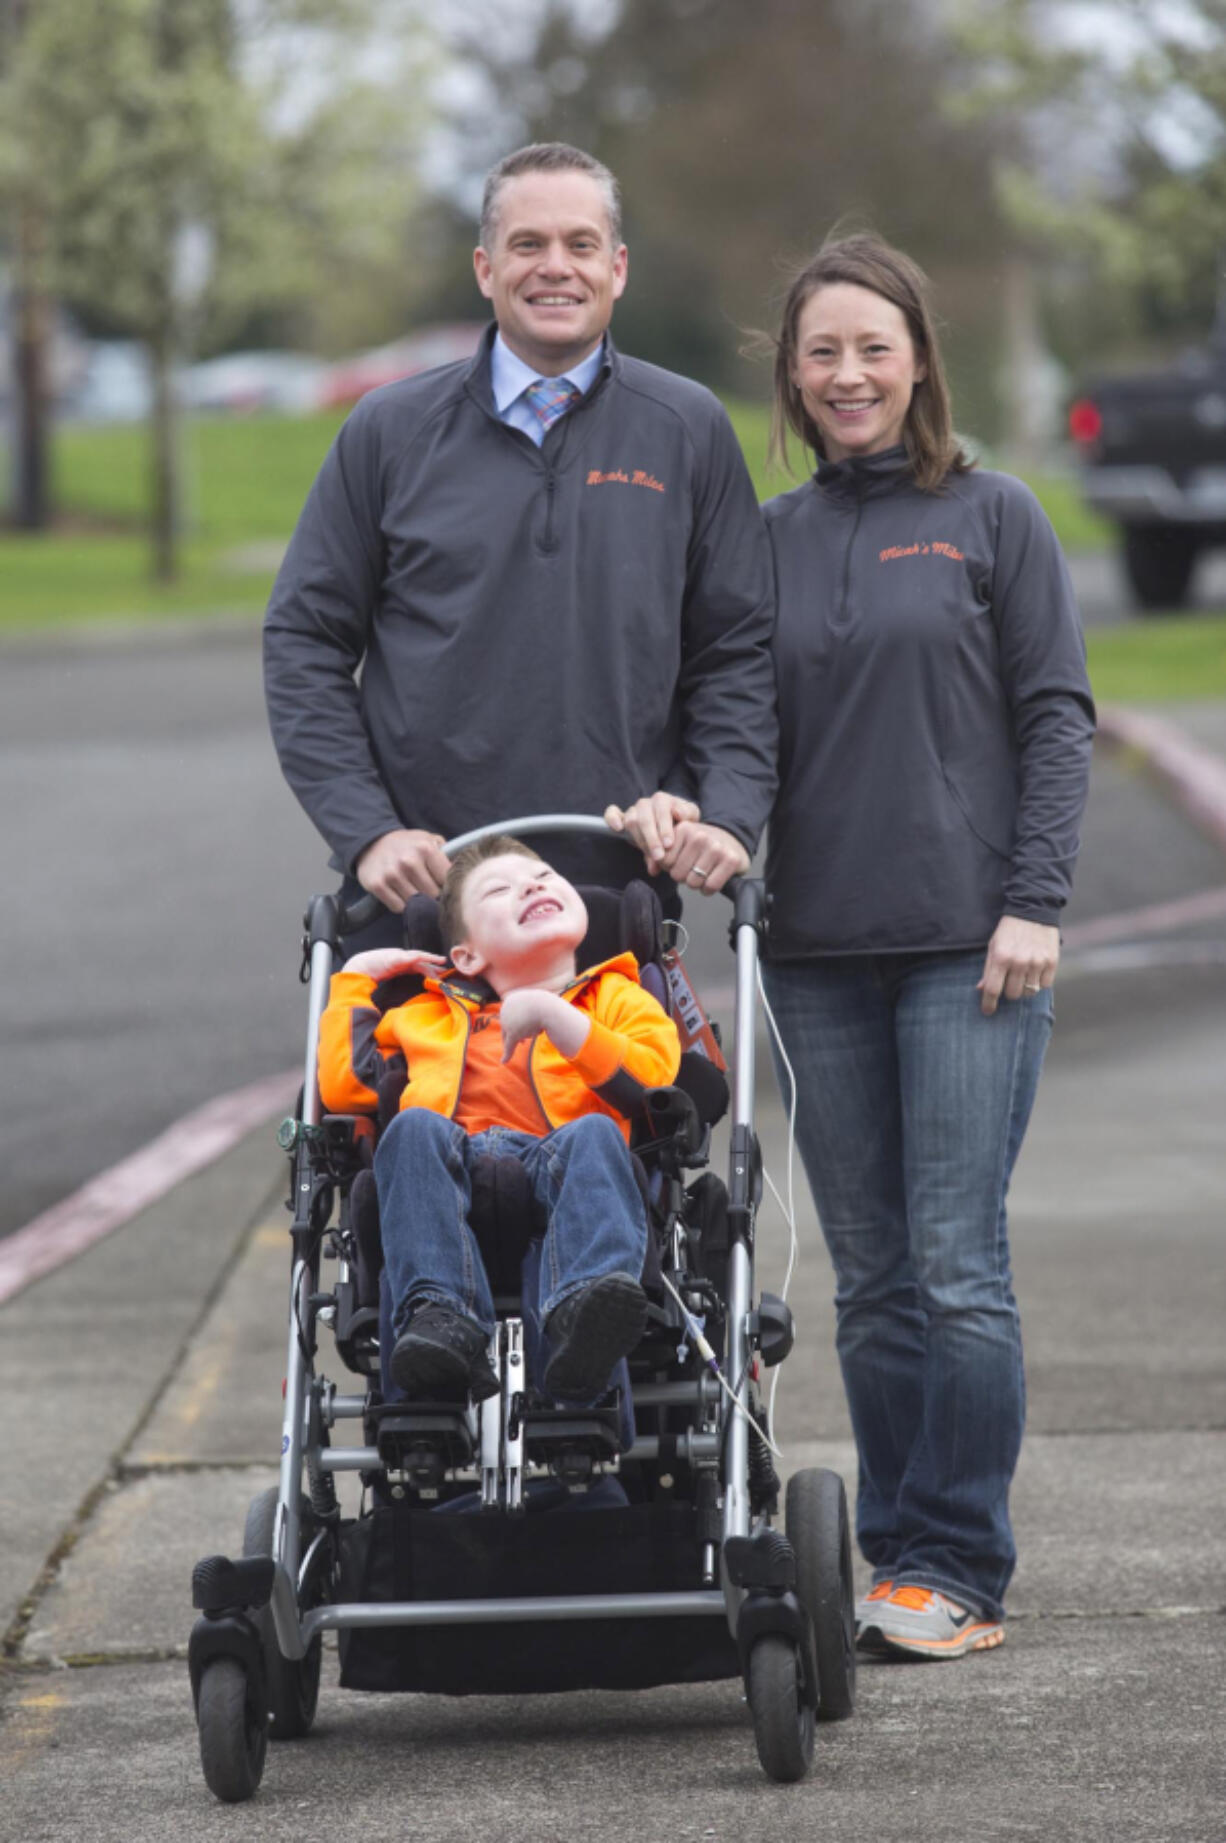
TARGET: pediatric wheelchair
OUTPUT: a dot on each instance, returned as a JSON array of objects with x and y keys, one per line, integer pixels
[{"x": 511, "y": 1545}]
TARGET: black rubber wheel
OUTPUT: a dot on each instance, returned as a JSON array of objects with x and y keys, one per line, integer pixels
[
  {"x": 783, "y": 1724},
  {"x": 292, "y": 1683},
  {"x": 233, "y": 1731},
  {"x": 815, "y": 1517},
  {"x": 1158, "y": 561}
]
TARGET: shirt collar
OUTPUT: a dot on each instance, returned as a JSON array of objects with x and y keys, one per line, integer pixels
[
  {"x": 863, "y": 476},
  {"x": 510, "y": 377}
]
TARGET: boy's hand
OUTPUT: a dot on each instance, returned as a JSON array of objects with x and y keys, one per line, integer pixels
[
  {"x": 388, "y": 962},
  {"x": 531, "y": 1009}
]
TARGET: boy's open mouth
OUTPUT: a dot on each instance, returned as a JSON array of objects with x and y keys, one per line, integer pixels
[{"x": 546, "y": 905}]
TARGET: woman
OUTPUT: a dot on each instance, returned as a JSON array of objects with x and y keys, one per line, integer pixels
[{"x": 936, "y": 731}]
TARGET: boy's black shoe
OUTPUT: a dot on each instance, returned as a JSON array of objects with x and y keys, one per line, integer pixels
[
  {"x": 588, "y": 1332},
  {"x": 442, "y": 1353}
]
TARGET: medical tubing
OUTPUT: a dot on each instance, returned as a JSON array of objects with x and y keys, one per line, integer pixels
[
  {"x": 712, "y": 1362},
  {"x": 789, "y": 1211}
]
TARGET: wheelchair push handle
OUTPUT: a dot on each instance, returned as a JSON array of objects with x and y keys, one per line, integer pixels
[
  {"x": 361, "y": 913},
  {"x": 354, "y": 916}
]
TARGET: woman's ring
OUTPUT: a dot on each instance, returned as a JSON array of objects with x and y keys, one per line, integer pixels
[
  {"x": 700, "y": 873},
  {"x": 1027, "y": 987}
]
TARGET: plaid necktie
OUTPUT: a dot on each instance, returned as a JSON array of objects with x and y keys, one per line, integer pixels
[{"x": 550, "y": 398}]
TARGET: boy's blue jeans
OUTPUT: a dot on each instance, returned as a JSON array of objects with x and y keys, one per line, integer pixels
[
  {"x": 911, "y": 1110},
  {"x": 580, "y": 1174}
]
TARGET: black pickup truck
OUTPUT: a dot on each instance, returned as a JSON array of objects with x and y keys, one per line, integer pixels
[{"x": 1153, "y": 448}]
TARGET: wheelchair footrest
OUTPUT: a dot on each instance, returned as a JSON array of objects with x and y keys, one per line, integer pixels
[
  {"x": 572, "y": 1442},
  {"x": 424, "y": 1442}
]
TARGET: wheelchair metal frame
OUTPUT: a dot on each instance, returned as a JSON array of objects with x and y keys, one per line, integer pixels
[
  {"x": 785, "y": 1595},
  {"x": 498, "y": 1444}
]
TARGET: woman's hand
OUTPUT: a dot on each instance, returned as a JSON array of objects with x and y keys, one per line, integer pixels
[
  {"x": 1022, "y": 959},
  {"x": 651, "y": 825},
  {"x": 669, "y": 832}
]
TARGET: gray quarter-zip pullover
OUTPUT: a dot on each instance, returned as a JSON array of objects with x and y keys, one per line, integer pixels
[
  {"x": 538, "y": 629},
  {"x": 936, "y": 718}
]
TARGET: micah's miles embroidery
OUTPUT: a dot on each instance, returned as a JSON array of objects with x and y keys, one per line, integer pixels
[
  {"x": 935, "y": 549},
  {"x": 619, "y": 477}
]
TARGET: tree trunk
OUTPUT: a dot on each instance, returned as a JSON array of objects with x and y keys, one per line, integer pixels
[
  {"x": 164, "y": 448},
  {"x": 1025, "y": 432},
  {"x": 30, "y": 338}
]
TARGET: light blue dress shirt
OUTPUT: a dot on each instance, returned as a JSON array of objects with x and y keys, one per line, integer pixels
[{"x": 510, "y": 378}]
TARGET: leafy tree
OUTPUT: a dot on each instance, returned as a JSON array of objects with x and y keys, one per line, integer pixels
[
  {"x": 742, "y": 135},
  {"x": 145, "y": 135},
  {"x": 1111, "y": 168}
]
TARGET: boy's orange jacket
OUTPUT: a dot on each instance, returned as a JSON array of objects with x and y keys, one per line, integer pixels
[{"x": 631, "y": 1046}]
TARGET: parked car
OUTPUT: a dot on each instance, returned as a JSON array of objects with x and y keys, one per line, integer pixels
[
  {"x": 282, "y": 383},
  {"x": 351, "y": 378},
  {"x": 1153, "y": 453}
]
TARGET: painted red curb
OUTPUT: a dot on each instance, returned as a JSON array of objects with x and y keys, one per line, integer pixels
[
  {"x": 1155, "y": 918},
  {"x": 116, "y": 1195},
  {"x": 1193, "y": 775}
]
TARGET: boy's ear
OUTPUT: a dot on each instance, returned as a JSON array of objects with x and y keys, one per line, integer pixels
[{"x": 465, "y": 958}]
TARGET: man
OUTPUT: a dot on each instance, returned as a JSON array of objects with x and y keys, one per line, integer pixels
[{"x": 551, "y": 539}]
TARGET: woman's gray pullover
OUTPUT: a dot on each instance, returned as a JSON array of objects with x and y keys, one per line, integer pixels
[{"x": 935, "y": 713}]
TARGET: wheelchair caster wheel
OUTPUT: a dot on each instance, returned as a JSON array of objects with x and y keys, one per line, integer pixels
[
  {"x": 783, "y": 1723},
  {"x": 292, "y": 1683},
  {"x": 233, "y": 1731},
  {"x": 818, "y": 1530}
]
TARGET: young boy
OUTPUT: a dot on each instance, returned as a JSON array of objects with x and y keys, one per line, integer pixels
[{"x": 509, "y": 1051}]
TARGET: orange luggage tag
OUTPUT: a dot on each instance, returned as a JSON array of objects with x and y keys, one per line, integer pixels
[{"x": 693, "y": 1025}]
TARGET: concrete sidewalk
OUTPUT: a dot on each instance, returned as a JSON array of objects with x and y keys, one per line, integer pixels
[
  {"x": 1100, "y": 1719},
  {"x": 142, "y": 1384}
]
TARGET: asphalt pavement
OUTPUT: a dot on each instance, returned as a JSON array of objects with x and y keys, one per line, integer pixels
[{"x": 141, "y": 1381}]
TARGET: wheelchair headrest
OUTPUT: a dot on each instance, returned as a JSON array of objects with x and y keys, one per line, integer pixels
[{"x": 619, "y": 921}]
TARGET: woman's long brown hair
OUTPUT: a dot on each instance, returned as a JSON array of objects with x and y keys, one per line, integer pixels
[{"x": 868, "y": 261}]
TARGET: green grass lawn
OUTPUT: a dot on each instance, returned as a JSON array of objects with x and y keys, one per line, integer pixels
[
  {"x": 1170, "y": 656},
  {"x": 246, "y": 478}
]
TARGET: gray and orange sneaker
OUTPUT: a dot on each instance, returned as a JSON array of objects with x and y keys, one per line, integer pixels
[
  {"x": 866, "y": 1607},
  {"x": 918, "y": 1622}
]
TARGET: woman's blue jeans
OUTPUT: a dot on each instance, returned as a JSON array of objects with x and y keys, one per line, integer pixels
[
  {"x": 911, "y": 1108},
  {"x": 581, "y": 1175}
]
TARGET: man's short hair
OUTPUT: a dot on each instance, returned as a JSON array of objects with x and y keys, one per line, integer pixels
[
  {"x": 548, "y": 157},
  {"x": 451, "y": 896}
]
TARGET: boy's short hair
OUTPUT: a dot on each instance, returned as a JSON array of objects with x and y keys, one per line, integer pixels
[{"x": 451, "y": 896}]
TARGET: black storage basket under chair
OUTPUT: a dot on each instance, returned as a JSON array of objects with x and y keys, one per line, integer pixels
[{"x": 401, "y": 1553}]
